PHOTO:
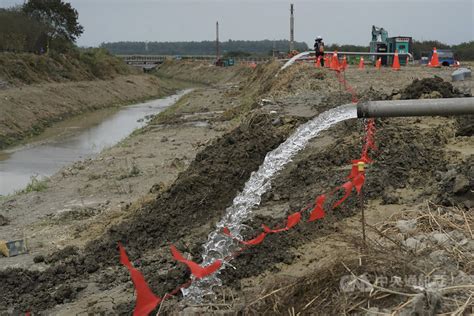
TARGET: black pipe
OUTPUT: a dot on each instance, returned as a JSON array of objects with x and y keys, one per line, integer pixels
[{"x": 421, "y": 107}]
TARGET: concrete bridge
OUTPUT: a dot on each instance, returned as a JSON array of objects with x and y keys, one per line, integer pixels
[{"x": 148, "y": 62}]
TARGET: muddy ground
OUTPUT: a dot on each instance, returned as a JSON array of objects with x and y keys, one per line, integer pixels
[{"x": 196, "y": 156}]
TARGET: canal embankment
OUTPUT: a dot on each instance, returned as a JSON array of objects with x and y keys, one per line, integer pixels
[{"x": 26, "y": 111}]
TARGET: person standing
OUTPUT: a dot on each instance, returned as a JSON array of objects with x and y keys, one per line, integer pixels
[{"x": 319, "y": 49}]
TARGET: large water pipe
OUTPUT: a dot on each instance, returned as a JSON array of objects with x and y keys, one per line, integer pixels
[{"x": 421, "y": 107}]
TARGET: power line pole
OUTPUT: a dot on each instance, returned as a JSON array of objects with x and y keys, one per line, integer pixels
[
  {"x": 292, "y": 28},
  {"x": 217, "y": 41}
]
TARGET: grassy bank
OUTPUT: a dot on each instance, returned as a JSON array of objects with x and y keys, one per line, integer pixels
[{"x": 79, "y": 65}]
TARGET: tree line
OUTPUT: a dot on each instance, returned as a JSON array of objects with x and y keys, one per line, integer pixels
[
  {"x": 39, "y": 25},
  {"x": 230, "y": 47},
  {"x": 463, "y": 51}
]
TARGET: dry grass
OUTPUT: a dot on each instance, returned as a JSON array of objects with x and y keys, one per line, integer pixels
[
  {"x": 388, "y": 256},
  {"x": 378, "y": 277}
]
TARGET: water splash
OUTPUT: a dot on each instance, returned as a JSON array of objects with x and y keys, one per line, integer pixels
[
  {"x": 295, "y": 58},
  {"x": 220, "y": 246}
]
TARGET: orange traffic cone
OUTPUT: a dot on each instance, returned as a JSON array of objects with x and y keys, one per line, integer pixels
[
  {"x": 344, "y": 63},
  {"x": 378, "y": 63},
  {"x": 361, "y": 63},
  {"x": 334, "y": 62},
  {"x": 327, "y": 61},
  {"x": 434, "y": 58},
  {"x": 396, "y": 62},
  {"x": 317, "y": 64}
]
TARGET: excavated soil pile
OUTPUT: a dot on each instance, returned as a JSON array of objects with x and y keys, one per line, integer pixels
[
  {"x": 198, "y": 197},
  {"x": 438, "y": 88},
  {"x": 403, "y": 160},
  {"x": 430, "y": 88},
  {"x": 200, "y": 194},
  {"x": 456, "y": 185},
  {"x": 407, "y": 169},
  {"x": 200, "y": 72}
]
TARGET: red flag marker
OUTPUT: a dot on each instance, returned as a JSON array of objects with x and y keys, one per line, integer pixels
[
  {"x": 358, "y": 182},
  {"x": 292, "y": 220},
  {"x": 348, "y": 188},
  {"x": 146, "y": 301},
  {"x": 318, "y": 211},
  {"x": 369, "y": 141},
  {"x": 257, "y": 240},
  {"x": 196, "y": 270}
]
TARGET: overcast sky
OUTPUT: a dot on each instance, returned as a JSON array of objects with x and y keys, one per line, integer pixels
[{"x": 337, "y": 21}]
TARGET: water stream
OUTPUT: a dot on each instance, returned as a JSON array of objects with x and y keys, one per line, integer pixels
[
  {"x": 78, "y": 138},
  {"x": 220, "y": 246}
]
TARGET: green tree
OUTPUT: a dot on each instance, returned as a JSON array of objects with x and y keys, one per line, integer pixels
[
  {"x": 20, "y": 33},
  {"x": 60, "y": 17}
]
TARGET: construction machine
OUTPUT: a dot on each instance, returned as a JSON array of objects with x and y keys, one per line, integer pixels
[{"x": 381, "y": 43}]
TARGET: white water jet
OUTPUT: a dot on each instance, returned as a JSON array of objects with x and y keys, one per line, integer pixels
[
  {"x": 220, "y": 246},
  {"x": 292, "y": 60}
]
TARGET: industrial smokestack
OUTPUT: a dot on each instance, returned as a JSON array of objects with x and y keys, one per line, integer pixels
[{"x": 292, "y": 28}]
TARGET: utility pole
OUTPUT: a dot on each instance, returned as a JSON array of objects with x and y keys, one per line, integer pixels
[
  {"x": 217, "y": 41},
  {"x": 292, "y": 28}
]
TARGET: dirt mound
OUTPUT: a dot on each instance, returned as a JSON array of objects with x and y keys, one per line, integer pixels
[
  {"x": 201, "y": 72},
  {"x": 430, "y": 88},
  {"x": 465, "y": 125},
  {"x": 198, "y": 197},
  {"x": 269, "y": 80},
  {"x": 201, "y": 193},
  {"x": 404, "y": 162},
  {"x": 456, "y": 185}
]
